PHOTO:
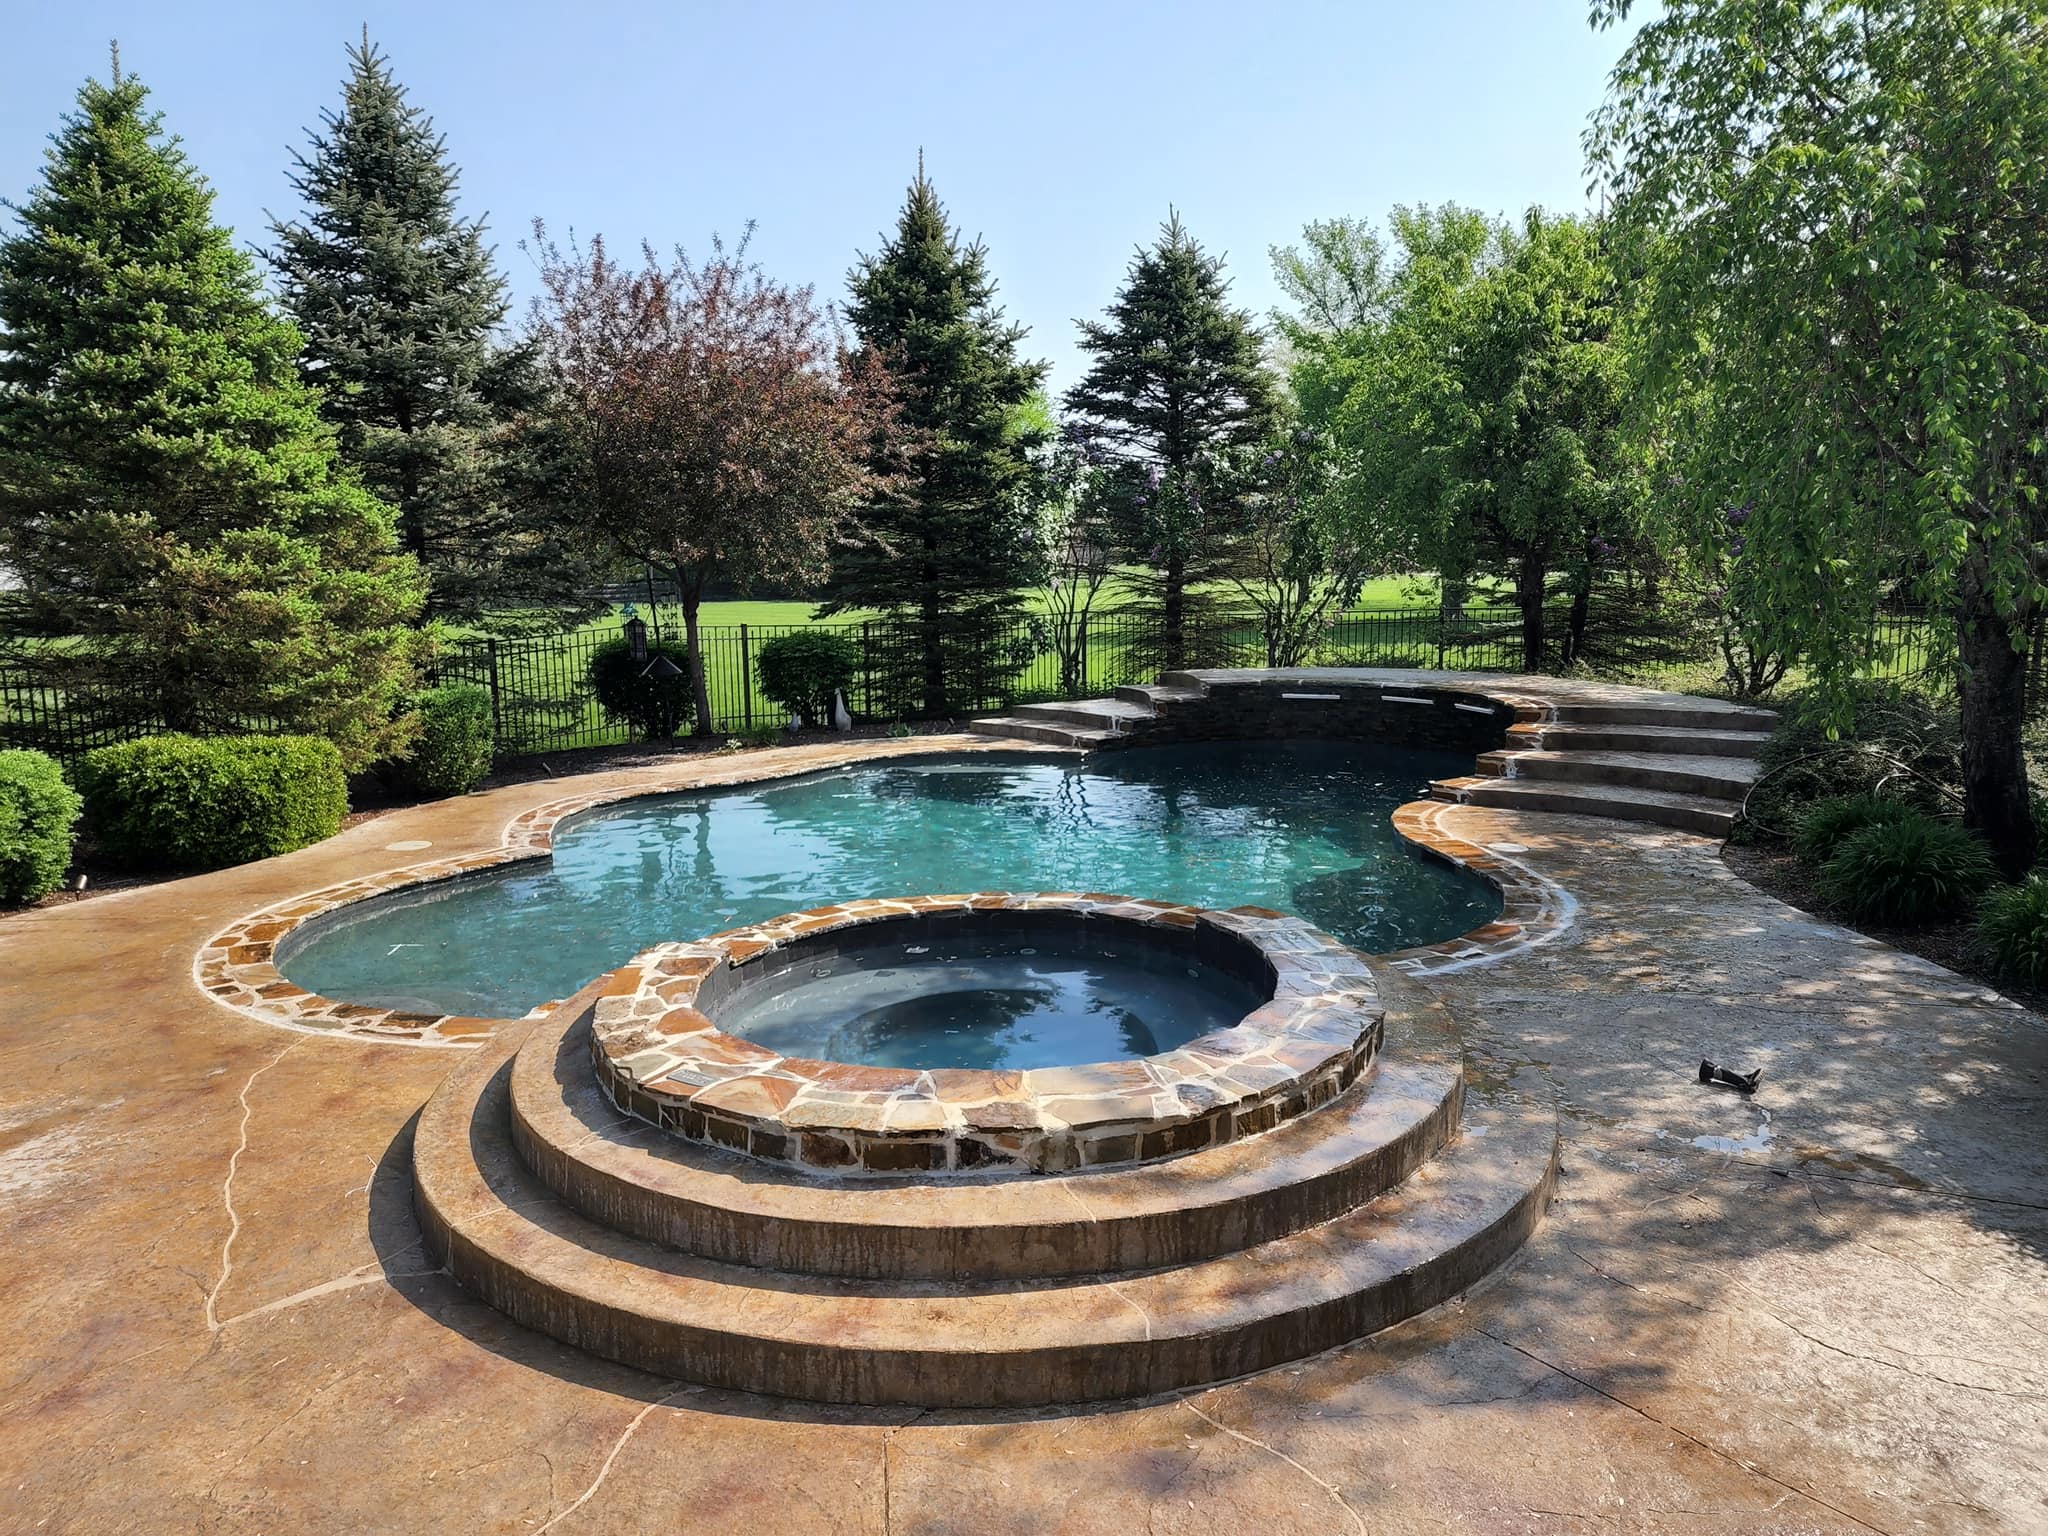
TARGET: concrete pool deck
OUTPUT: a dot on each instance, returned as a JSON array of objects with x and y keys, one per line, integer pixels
[{"x": 1822, "y": 1310}]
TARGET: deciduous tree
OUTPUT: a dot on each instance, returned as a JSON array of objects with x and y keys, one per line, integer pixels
[
  {"x": 1846, "y": 209},
  {"x": 712, "y": 428}
]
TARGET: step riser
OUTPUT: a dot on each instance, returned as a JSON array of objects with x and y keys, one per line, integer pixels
[
  {"x": 1677, "y": 781},
  {"x": 987, "y": 1376},
  {"x": 1587, "y": 738},
  {"x": 1708, "y": 820},
  {"x": 1084, "y": 1242}
]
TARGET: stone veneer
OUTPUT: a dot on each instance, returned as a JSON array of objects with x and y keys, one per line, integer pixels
[
  {"x": 238, "y": 967},
  {"x": 662, "y": 1058}
]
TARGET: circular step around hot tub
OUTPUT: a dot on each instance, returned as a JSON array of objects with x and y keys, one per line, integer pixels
[{"x": 972, "y": 1291}]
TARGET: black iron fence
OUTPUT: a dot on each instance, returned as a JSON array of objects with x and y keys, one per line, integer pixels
[{"x": 542, "y": 701}]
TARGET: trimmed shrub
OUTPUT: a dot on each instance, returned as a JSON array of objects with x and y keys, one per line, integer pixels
[
  {"x": 1824, "y": 825},
  {"x": 802, "y": 670},
  {"x": 192, "y": 803},
  {"x": 37, "y": 813},
  {"x": 456, "y": 741},
  {"x": 2014, "y": 926},
  {"x": 654, "y": 707},
  {"x": 1907, "y": 872}
]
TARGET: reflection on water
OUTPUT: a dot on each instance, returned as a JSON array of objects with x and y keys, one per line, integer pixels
[{"x": 1300, "y": 826}]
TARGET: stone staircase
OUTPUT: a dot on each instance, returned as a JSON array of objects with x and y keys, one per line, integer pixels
[
  {"x": 1579, "y": 748},
  {"x": 971, "y": 1291}
]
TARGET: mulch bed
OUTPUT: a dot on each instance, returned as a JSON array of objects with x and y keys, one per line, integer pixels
[{"x": 1779, "y": 872}]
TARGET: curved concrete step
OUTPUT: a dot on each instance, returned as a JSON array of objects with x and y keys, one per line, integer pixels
[
  {"x": 1012, "y": 728},
  {"x": 638, "y": 1179},
  {"x": 502, "y": 1234},
  {"x": 1716, "y": 778},
  {"x": 1688, "y": 813},
  {"x": 1109, "y": 715},
  {"x": 1152, "y": 695},
  {"x": 1697, "y": 741}
]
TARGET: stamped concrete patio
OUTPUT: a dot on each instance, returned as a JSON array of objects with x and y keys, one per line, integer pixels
[{"x": 1824, "y": 1310}]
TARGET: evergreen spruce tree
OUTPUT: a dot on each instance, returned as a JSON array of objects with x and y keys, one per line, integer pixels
[
  {"x": 170, "y": 500},
  {"x": 400, "y": 303},
  {"x": 1176, "y": 398},
  {"x": 951, "y": 543}
]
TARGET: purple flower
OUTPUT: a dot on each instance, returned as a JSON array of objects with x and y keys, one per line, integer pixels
[
  {"x": 1737, "y": 516},
  {"x": 1737, "y": 545}
]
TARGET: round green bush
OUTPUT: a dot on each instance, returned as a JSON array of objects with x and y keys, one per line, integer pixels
[
  {"x": 654, "y": 707},
  {"x": 37, "y": 813},
  {"x": 1907, "y": 872},
  {"x": 1826, "y": 824},
  {"x": 2013, "y": 923},
  {"x": 803, "y": 670},
  {"x": 192, "y": 803},
  {"x": 453, "y": 754}
]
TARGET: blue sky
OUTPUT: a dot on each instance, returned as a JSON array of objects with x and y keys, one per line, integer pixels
[{"x": 1059, "y": 132}]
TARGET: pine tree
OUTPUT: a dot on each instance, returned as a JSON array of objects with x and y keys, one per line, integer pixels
[
  {"x": 400, "y": 303},
  {"x": 170, "y": 500},
  {"x": 1176, "y": 396},
  {"x": 951, "y": 546}
]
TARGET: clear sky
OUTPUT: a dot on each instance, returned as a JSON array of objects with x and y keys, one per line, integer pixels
[{"x": 1058, "y": 131}]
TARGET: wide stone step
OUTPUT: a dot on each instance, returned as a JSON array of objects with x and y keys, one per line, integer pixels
[
  {"x": 1690, "y": 714},
  {"x": 642, "y": 1180},
  {"x": 503, "y": 1235},
  {"x": 1717, "y": 778},
  {"x": 1087, "y": 714},
  {"x": 1015, "y": 729},
  {"x": 1154, "y": 695},
  {"x": 1690, "y": 741},
  {"x": 1688, "y": 813}
]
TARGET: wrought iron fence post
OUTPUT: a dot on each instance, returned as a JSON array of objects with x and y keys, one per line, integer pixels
[
  {"x": 497, "y": 711},
  {"x": 746, "y": 677}
]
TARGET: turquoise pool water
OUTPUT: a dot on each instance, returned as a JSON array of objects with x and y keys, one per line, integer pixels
[{"x": 1299, "y": 826}]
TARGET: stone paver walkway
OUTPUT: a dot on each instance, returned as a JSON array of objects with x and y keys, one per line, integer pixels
[{"x": 1824, "y": 1311}]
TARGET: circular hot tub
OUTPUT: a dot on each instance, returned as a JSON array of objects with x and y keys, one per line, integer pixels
[{"x": 1034, "y": 1032}]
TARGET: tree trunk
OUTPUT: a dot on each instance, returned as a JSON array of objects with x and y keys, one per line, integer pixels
[
  {"x": 1173, "y": 618},
  {"x": 1530, "y": 580},
  {"x": 931, "y": 634},
  {"x": 1995, "y": 803},
  {"x": 692, "y": 599}
]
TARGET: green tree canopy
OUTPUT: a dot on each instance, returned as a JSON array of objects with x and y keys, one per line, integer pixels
[
  {"x": 1177, "y": 391},
  {"x": 400, "y": 303},
  {"x": 1845, "y": 208},
  {"x": 948, "y": 550},
  {"x": 169, "y": 496},
  {"x": 1479, "y": 394}
]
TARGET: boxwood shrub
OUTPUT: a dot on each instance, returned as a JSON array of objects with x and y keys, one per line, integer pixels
[
  {"x": 192, "y": 803},
  {"x": 456, "y": 742},
  {"x": 1910, "y": 871},
  {"x": 804, "y": 669},
  {"x": 2013, "y": 923},
  {"x": 38, "y": 811}
]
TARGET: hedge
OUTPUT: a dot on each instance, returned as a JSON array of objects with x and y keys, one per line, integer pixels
[
  {"x": 456, "y": 742},
  {"x": 192, "y": 803},
  {"x": 804, "y": 670},
  {"x": 38, "y": 811}
]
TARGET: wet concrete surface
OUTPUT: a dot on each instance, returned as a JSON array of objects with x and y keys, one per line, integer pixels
[{"x": 1820, "y": 1310}]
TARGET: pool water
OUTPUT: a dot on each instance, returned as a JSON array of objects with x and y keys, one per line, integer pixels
[
  {"x": 1298, "y": 826},
  {"x": 996, "y": 1004}
]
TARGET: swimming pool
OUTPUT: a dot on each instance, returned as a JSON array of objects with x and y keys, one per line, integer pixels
[{"x": 1298, "y": 826}]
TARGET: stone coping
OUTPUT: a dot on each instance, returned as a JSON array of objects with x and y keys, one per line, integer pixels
[
  {"x": 662, "y": 1058},
  {"x": 238, "y": 967}
]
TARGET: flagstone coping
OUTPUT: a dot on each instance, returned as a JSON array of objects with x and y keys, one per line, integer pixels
[
  {"x": 238, "y": 967},
  {"x": 661, "y": 1057}
]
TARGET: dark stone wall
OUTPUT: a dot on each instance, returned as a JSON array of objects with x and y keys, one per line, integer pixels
[{"x": 1358, "y": 712}]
